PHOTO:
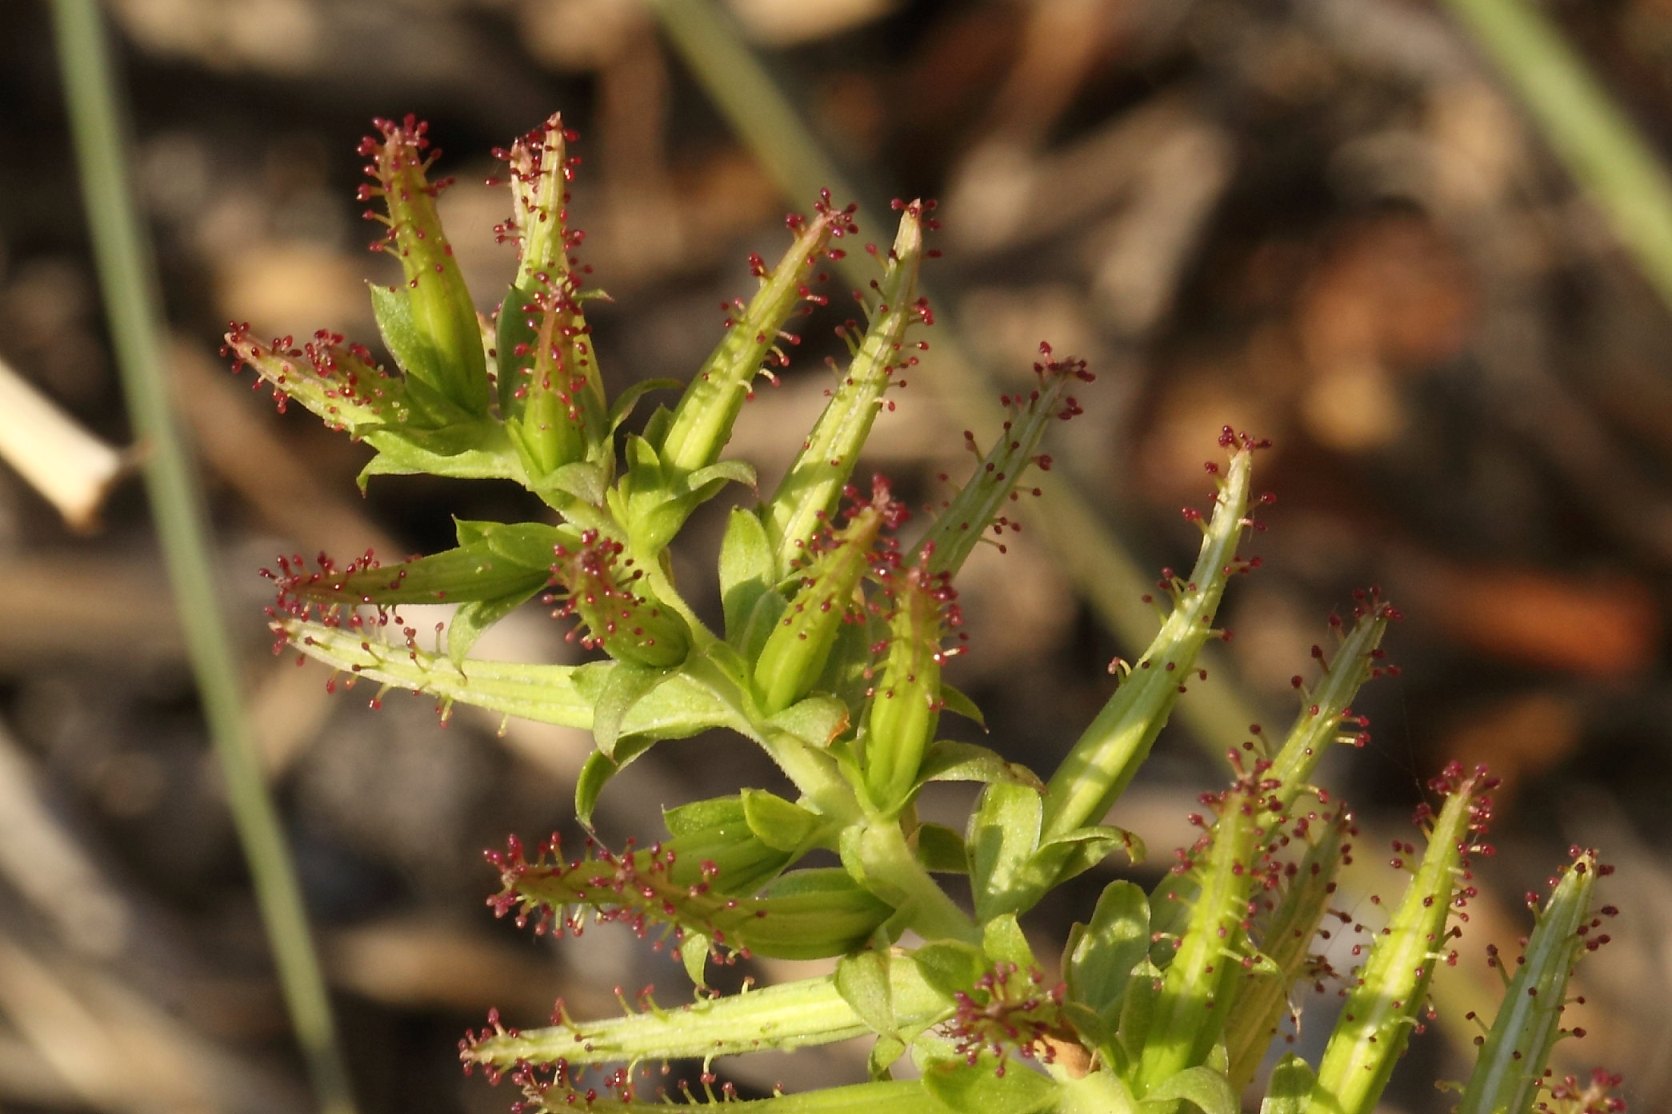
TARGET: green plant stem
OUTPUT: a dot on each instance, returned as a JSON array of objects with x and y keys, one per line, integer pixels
[
  {"x": 879, "y": 856},
  {"x": 783, "y": 1017},
  {"x": 813, "y": 775},
  {"x": 1104, "y": 570},
  {"x": 128, "y": 281},
  {"x": 1587, "y": 130}
]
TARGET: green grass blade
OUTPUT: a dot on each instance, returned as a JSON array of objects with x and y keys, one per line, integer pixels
[
  {"x": 1587, "y": 130},
  {"x": 128, "y": 280}
]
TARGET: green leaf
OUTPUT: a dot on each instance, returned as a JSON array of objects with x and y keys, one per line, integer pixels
[
  {"x": 979, "y": 1087},
  {"x": 746, "y": 569},
  {"x": 778, "y": 823},
  {"x": 416, "y": 356},
  {"x": 465, "y": 451},
  {"x": 1004, "y": 833},
  {"x": 710, "y": 845},
  {"x": 528, "y": 544},
  {"x": 1290, "y": 1087},
  {"x": 1003, "y": 941},
  {"x": 698, "y": 816},
  {"x": 948, "y": 760},
  {"x": 817, "y": 720},
  {"x": 473, "y": 618},
  {"x": 678, "y": 706},
  {"x": 482, "y": 568},
  {"x": 705, "y": 481},
  {"x": 960, "y": 704},
  {"x": 1078, "y": 851},
  {"x": 1137, "y": 1007},
  {"x": 941, "y": 850},
  {"x": 1098, "y": 1092},
  {"x": 949, "y": 966},
  {"x": 599, "y": 768},
  {"x": 884, "y": 1052},
  {"x": 862, "y": 981},
  {"x": 648, "y": 502},
  {"x": 595, "y": 773},
  {"x": 758, "y": 624},
  {"x": 582, "y": 479},
  {"x": 630, "y": 397},
  {"x": 444, "y": 386},
  {"x": 1201, "y": 1087},
  {"x": 1096, "y": 1033},
  {"x": 845, "y": 670},
  {"x": 513, "y": 329},
  {"x": 625, "y": 686},
  {"x": 1103, "y": 953},
  {"x": 693, "y": 953},
  {"x": 810, "y": 913}
]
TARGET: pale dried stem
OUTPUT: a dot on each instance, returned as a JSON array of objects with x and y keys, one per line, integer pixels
[{"x": 72, "y": 469}]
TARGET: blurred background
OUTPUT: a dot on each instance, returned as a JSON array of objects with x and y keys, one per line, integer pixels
[{"x": 1323, "y": 221}]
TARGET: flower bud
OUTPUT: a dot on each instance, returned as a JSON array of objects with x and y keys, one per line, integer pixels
[
  {"x": 806, "y": 914},
  {"x": 600, "y": 589},
  {"x": 799, "y": 646},
  {"x": 338, "y": 382},
  {"x": 1188, "y": 1015},
  {"x": 821, "y": 471},
  {"x": 1107, "y": 755},
  {"x": 1390, "y": 989},
  {"x": 906, "y": 700},
  {"x": 977, "y": 508},
  {"x": 550, "y": 392},
  {"x": 703, "y": 420},
  {"x": 716, "y": 846},
  {"x": 429, "y": 323},
  {"x": 556, "y": 410},
  {"x": 1507, "y": 1075}
]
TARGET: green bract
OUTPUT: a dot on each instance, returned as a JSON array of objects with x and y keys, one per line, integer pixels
[{"x": 831, "y": 657}]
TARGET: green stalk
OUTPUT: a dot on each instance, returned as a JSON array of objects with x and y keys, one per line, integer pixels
[
  {"x": 1108, "y": 754},
  {"x": 783, "y": 1017},
  {"x": 1390, "y": 990},
  {"x": 891, "y": 1096},
  {"x": 128, "y": 281},
  {"x": 826, "y": 461},
  {"x": 878, "y": 856},
  {"x": 1586, "y": 129},
  {"x": 1190, "y": 1013},
  {"x": 1510, "y": 1070},
  {"x": 1259, "y": 999}
]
